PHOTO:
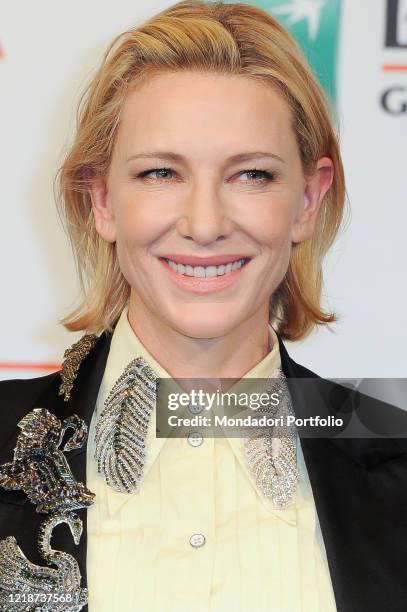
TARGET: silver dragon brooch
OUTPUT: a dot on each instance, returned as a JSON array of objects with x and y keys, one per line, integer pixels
[{"x": 40, "y": 469}]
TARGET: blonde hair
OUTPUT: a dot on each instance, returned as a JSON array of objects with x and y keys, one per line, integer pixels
[{"x": 236, "y": 39}]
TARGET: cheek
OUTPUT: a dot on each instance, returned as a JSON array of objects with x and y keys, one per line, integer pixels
[
  {"x": 270, "y": 225},
  {"x": 133, "y": 228},
  {"x": 271, "y": 228},
  {"x": 139, "y": 221}
]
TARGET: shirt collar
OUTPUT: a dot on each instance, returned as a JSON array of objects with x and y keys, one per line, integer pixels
[{"x": 126, "y": 346}]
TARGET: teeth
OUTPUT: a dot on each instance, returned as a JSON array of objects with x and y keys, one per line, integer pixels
[
  {"x": 208, "y": 271},
  {"x": 198, "y": 271},
  {"x": 211, "y": 271}
]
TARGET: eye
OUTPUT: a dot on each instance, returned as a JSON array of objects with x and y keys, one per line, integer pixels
[
  {"x": 258, "y": 176},
  {"x": 161, "y": 173}
]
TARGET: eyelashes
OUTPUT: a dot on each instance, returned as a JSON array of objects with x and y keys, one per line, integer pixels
[
  {"x": 145, "y": 174},
  {"x": 268, "y": 176},
  {"x": 265, "y": 175}
]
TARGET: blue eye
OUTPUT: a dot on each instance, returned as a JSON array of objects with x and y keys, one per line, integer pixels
[
  {"x": 258, "y": 174},
  {"x": 161, "y": 171}
]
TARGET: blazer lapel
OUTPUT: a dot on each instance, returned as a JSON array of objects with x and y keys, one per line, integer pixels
[
  {"x": 24, "y": 524},
  {"x": 18, "y": 516},
  {"x": 360, "y": 493},
  {"x": 82, "y": 402}
]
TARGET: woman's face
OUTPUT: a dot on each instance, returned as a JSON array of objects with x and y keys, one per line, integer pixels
[{"x": 204, "y": 197}]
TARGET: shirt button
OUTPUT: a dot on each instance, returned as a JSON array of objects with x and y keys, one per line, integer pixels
[
  {"x": 197, "y": 540},
  {"x": 195, "y": 438},
  {"x": 195, "y": 408}
]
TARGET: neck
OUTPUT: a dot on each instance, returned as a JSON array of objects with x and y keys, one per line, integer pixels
[{"x": 228, "y": 356}]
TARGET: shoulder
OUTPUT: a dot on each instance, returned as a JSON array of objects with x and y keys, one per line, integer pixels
[
  {"x": 302, "y": 372},
  {"x": 23, "y": 390},
  {"x": 17, "y": 391},
  {"x": 53, "y": 391},
  {"x": 17, "y": 398}
]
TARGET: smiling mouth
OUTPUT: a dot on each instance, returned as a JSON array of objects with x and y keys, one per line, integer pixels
[{"x": 211, "y": 271}]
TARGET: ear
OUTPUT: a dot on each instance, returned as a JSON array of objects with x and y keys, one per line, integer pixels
[
  {"x": 316, "y": 187},
  {"x": 102, "y": 210}
]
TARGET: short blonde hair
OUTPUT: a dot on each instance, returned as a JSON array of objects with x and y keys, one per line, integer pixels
[{"x": 236, "y": 39}]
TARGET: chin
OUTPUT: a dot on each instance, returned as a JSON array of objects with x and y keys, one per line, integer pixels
[{"x": 205, "y": 322}]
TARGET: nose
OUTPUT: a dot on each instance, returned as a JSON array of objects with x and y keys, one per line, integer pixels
[{"x": 204, "y": 217}]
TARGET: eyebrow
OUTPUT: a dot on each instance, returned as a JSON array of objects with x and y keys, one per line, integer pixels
[{"x": 176, "y": 157}]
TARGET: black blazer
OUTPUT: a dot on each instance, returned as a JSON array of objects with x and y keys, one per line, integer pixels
[{"x": 359, "y": 485}]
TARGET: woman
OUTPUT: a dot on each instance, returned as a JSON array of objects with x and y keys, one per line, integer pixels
[{"x": 201, "y": 193}]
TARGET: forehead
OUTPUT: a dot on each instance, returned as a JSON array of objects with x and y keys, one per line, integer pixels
[{"x": 191, "y": 109}]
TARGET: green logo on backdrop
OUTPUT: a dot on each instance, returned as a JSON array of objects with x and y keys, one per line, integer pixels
[{"x": 315, "y": 25}]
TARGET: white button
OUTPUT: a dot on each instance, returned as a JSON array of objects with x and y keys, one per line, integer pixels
[
  {"x": 197, "y": 540},
  {"x": 195, "y": 408},
  {"x": 195, "y": 438}
]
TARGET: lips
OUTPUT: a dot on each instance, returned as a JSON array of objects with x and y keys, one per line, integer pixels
[
  {"x": 213, "y": 260},
  {"x": 204, "y": 274}
]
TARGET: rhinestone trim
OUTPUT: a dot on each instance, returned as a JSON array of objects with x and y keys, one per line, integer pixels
[
  {"x": 121, "y": 429},
  {"x": 73, "y": 358},
  {"x": 39, "y": 467},
  {"x": 35, "y": 588},
  {"x": 272, "y": 462}
]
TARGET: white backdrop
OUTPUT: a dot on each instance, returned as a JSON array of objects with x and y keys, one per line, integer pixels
[{"x": 50, "y": 49}]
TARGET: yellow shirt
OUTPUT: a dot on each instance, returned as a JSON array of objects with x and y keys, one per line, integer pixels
[{"x": 199, "y": 536}]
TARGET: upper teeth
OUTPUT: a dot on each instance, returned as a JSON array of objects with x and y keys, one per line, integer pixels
[{"x": 201, "y": 271}]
